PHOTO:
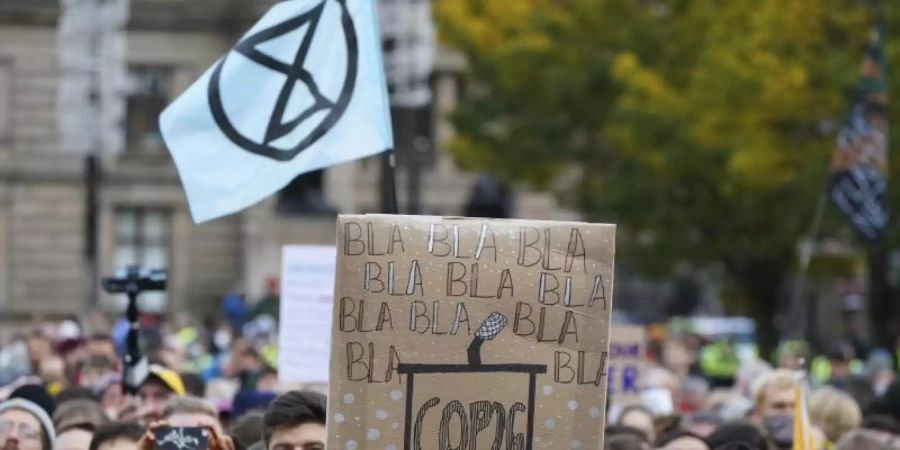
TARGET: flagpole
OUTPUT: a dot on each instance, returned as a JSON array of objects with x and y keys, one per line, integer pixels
[
  {"x": 389, "y": 183},
  {"x": 807, "y": 248}
]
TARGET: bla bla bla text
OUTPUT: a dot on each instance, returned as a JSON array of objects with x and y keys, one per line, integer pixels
[
  {"x": 366, "y": 363},
  {"x": 534, "y": 246},
  {"x": 541, "y": 324}
]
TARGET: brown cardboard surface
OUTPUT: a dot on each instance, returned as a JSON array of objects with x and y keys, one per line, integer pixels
[{"x": 442, "y": 340}]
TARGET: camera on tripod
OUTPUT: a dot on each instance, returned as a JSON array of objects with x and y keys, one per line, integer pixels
[
  {"x": 131, "y": 281},
  {"x": 134, "y": 280}
]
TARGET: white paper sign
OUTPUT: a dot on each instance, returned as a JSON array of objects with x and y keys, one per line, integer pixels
[{"x": 307, "y": 295}]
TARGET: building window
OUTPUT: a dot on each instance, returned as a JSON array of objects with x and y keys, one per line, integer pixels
[
  {"x": 149, "y": 91},
  {"x": 304, "y": 196},
  {"x": 143, "y": 237},
  {"x": 5, "y": 99}
]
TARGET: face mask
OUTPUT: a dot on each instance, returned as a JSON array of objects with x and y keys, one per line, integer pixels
[{"x": 780, "y": 429}]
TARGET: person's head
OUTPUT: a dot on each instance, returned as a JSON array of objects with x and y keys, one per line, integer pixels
[
  {"x": 160, "y": 386},
  {"x": 681, "y": 440},
  {"x": 773, "y": 410},
  {"x": 619, "y": 430},
  {"x": 95, "y": 368},
  {"x": 791, "y": 354},
  {"x": 625, "y": 442},
  {"x": 640, "y": 418},
  {"x": 295, "y": 420},
  {"x": 36, "y": 394},
  {"x": 251, "y": 400},
  {"x": 108, "y": 391},
  {"x": 191, "y": 412},
  {"x": 880, "y": 367},
  {"x": 693, "y": 393},
  {"x": 747, "y": 374},
  {"x": 52, "y": 369},
  {"x": 81, "y": 416},
  {"x": 835, "y": 412},
  {"x": 882, "y": 423},
  {"x": 74, "y": 393},
  {"x": 102, "y": 345},
  {"x": 839, "y": 358},
  {"x": 25, "y": 426},
  {"x": 738, "y": 435},
  {"x": 702, "y": 423},
  {"x": 74, "y": 439},
  {"x": 39, "y": 347},
  {"x": 866, "y": 440},
  {"x": 774, "y": 394},
  {"x": 247, "y": 429},
  {"x": 117, "y": 436}
]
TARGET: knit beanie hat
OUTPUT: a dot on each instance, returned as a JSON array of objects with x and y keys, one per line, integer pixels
[
  {"x": 36, "y": 394},
  {"x": 48, "y": 434}
]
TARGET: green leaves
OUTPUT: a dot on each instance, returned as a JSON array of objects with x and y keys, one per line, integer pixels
[{"x": 694, "y": 123}]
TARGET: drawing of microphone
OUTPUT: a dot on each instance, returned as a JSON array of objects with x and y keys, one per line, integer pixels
[{"x": 489, "y": 329}]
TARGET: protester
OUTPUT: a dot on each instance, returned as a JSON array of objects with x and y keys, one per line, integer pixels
[
  {"x": 681, "y": 440},
  {"x": 247, "y": 429},
  {"x": 75, "y": 422},
  {"x": 249, "y": 400},
  {"x": 96, "y": 368},
  {"x": 79, "y": 413},
  {"x": 38, "y": 395},
  {"x": 74, "y": 438},
  {"x": 702, "y": 423},
  {"x": 623, "y": 437},
  {"x": 25, "y": 425},
  {"x": 295, "y": 420},
  {"x": 625, "y": 442},
  {"x": 639, "y": 418},
  {"x": 835, "y": 412},
  {"x": 738, "y": 436},
  {"x": 867, "y": 440},
  {"x": 117, "y": 436},
  {"x": 191, "y": 412},
  {"x": 101, "y": 346},
  {"x": 854, "y": 404},
  {"x": 74, "y": 393},
  {"x": 108, "y": 391},
  {"x": 160, "y": 385},
  {"x": 773, "y": 406}
]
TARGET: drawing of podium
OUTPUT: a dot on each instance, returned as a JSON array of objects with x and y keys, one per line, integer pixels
[{"x": 459, "y": 429}]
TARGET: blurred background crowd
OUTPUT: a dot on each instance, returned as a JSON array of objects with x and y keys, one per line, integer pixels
[{"x": 696, "y": 390}]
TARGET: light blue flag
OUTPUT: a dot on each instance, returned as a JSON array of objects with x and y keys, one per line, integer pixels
[{"x": 304, "y": 89}]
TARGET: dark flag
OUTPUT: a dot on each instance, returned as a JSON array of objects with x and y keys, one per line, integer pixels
[{"x": 858, "y": 180}]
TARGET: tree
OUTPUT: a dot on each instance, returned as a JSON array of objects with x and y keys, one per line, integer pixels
[{"x": 702, "y": 127}]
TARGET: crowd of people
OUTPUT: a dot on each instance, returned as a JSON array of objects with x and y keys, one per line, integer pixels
[{"x": 62, "y": 390}]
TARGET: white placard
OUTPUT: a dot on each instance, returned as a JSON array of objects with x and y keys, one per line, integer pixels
[{"x": 307, "y": 296}]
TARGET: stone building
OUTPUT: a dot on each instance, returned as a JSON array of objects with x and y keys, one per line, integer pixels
[{"x": 141, "y": 214}]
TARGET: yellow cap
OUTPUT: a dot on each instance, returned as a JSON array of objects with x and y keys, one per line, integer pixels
[{"x": 169, "y": 377}]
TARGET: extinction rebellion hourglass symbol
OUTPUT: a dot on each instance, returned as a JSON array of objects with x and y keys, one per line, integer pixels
[
  {"x": 483, "y": 419},
  {"x": 298, "y": 79}
]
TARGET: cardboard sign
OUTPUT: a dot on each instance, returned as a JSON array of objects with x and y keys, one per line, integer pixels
[
  {"x": 455, "y": 333},
  {"x": 307, "y": 290},
  {"x": 627, "y": 350}
]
